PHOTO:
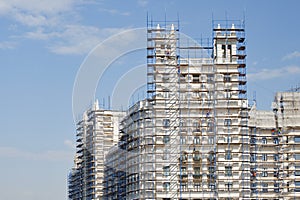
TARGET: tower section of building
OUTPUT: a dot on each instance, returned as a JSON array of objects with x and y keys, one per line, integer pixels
[
  {"x": 199, "y": 113},
  {"x": 97, "y": 132},
  {"x": 231, "y": 110}
]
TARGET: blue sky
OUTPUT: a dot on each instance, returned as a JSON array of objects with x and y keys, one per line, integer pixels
[{"x": 44, "y": 43}]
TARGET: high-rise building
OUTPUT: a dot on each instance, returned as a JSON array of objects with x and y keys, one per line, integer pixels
[
  {"x": 96, "y": 133},
  {"x": 195, "y": 135},
  {"x": 189, "y": 139}
]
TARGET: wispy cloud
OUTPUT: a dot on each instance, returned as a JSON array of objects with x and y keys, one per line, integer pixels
[
  {"x": 142, "y": 3},
  {"x": 7, "y": 45},
  {"x": 35, "y": 20},
  {"x": 292, "y": 55},
  {"x": 50, "y": 155},
  {"x": 266, "y": 74},
  {"x": 73, "y": 39},
  {"x": 47, "y": 21},
  {"x": 41, "y": 34},
  {"x": 115, "y": 12},
  {"x": 36, "y": 6},
  {"x": 35, "y": 12},
  {"x": 79, "y": 40}
]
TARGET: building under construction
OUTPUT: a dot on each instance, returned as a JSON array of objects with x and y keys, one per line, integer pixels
[
  {"x": 189, "y": 139},
  {"x": 96, "y": 132},
  {"x": 275, "y": 148},
  {"x": 195, "y": 135}
]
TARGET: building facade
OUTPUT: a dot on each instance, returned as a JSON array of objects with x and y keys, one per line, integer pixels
[
  {"x": 189, "y": 139},
  {"x": 96, "y": 133},
  {"x": 275, "y": 145},
  {"x": 195, "y": 135}
]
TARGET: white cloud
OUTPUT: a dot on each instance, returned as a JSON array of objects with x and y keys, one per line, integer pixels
[
  {"x": 50, "y": 155},
  {"x": 78, "y": 39},
  {"x": 32, "y": 19},
  {"x": 266, "y": 74},
  {"x": 36, "y": 6},
  {"x": 115, "y": 12},
  {"x": 50, "y": 21},
  {"x": 36, "y": 12},
  {"x": 292, "y": 55},
  {"x": 7, "y": 45},
  {"x": 72, "y": 39},
  {"x": 142, "y": 3},
  {"x": 41, "y": 34}
]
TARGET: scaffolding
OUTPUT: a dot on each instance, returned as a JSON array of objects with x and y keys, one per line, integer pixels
[
  {"x": 194, "y": 136},
  {"x": 96, "y": 132},
  {"x": 287, "y": 105},
  {"x": 199, "y": 107},
  {"x": 163, "y": 95},
  {"x": 274, "y": 143},
  {"x": 231, "y": 109}
]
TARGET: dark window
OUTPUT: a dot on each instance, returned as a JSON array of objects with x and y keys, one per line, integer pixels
[
  {"x": 196, "y": 125},
  {"x": 253, "y": 185},
  {"x": 182, "y": 140},
  {"x": 227, "y": 78},
  {"x": 228, "y": 186},
  {"x": 276, "y": 173},
  {"x": 264, "y": 140},
  {"x": 196, "y": 140},
  {"x": 252, "y": 140},
  {"x": 265, "y": 187},
  {"x": 196, "y": 156},
  {"x": 166, "y": 139},
  {"x": 211, "y": 169},
  {"x": 227, "y": 122},
  {"x": 183, "y": 157},
  {"x": 197, "y": 170},
  {"x": 210, "y": 127},
  {"x": 264, "y": 157},
  {"x": 183, "y": 171},
  {"x": 166, "y": 186},
  {"x": 210, "y": 78},
  {"x": 223, "y": 51},
  {"x": 276, "y": 157},
  {"x": 264, "y": 172},
  {"x": 212, "y": 186},
  {"x": 195, "y": 78},
  {"x": 228, "y": 170},
  {"x": 183, "y": 187},
  {"x": 166, "y": 170},
  {"x": 252, "y": 157},
  {"x": 197, "y": 186},
  {"x": 211, "y": 140},
  {"x": 166, "y": 123},
  {"x": 276, "y": 187}
]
